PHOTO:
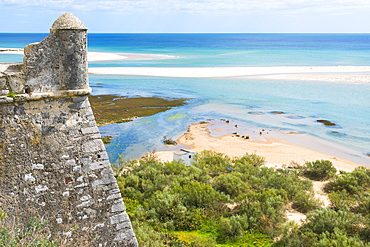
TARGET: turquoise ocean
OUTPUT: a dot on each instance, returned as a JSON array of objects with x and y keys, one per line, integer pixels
[{"x": 246, "y": 101}]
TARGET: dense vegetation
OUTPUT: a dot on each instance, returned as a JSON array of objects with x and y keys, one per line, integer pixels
[
  {"x": 216, "y": 201},
  {"x": 345, "y": 223},
  {"x": 219, "y": 201}
]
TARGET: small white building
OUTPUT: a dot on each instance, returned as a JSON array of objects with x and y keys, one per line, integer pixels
[{"x": 184, "y": 156}]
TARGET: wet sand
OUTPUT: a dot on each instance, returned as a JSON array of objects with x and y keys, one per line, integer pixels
[{"x": 275, "y": 151}]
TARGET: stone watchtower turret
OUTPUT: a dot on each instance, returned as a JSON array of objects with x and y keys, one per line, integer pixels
[
  {"x": 53, "y": 164},
  {"x": 59, "y": 62}
]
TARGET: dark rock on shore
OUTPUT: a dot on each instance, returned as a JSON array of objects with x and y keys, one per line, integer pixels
[
  {"x": 326, "y": 122},
  {"x": 169, "y": 141},
  {"x": 277, "y": 112}
]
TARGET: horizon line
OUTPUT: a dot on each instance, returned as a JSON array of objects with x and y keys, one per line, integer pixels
[{"x": 198, "y": 32}]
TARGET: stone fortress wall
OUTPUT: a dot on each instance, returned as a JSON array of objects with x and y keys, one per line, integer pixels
[{"x": 53, "y": 163}]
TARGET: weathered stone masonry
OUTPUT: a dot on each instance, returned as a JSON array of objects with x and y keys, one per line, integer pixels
[{"x": 53, "y": 163}]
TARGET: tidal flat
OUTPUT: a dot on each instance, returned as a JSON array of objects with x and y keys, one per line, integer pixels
[{"x": 110, "y": 109}]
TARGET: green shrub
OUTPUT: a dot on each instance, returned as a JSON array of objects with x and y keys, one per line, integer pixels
[
  {"x": 352, "y": 182},
  {"x": 304, "y": 202},
  {"x": 350, "y": 191},
  {"x": 251, "y": 159},
  {"x": 199, "y": 195},
  {"x": 319, "y": 170},
  {"x": 341, "y": 200},
  {"x": 264, "y": 210},
  {"x": 326, "y": 227},
  {"x": 364, "y": 206},
  {"x": 232, "y": 228},
  {"x": 338, "y": 238},
  {"x": 215, "y": 163},
  {"x": 230, "y": 184},
  {"x": 326, "y": 220}
]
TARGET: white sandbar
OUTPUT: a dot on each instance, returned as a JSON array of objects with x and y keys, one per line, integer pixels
[
  {"x": 326, "y": 73},
  {"x": 103, "y": 56}
]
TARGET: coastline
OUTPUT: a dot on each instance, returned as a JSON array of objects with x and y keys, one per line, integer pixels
[
  {"x": 276, "y": 152},
  {"x": 272, "y": 145},
  {"x": 278, "y": 149},
  {"x": 93, "y": 56}
]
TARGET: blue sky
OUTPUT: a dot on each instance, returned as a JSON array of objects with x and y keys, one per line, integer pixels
[{"x": 137, "y": 16}]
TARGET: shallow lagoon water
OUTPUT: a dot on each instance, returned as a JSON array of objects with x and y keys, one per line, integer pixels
[{"x": 248, "y": 100}]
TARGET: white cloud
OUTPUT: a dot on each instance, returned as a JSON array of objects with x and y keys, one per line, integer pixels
[{"x": 197, "y": 6}]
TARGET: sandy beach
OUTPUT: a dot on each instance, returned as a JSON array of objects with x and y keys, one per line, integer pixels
[
  {"x": 359, "y": 74},
  {"x": 102, "y": 56},
  {"x": 276, "y": 152}
]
